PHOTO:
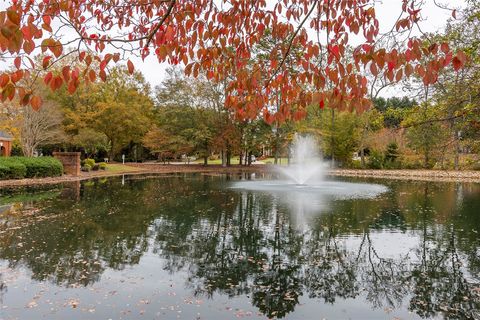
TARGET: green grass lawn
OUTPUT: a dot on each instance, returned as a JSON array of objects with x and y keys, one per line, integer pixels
[
  {"x": 119, "y": 168},
  {"x": 234, "y": 160}
]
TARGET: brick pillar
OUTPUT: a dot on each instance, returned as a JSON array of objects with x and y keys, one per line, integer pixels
[
  {"x": 8, "y": 148},
  {"x": 70, "y": 161}
]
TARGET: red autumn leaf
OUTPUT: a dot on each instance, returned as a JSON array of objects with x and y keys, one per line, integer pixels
[
  {"x": 46, "y": 62},
  {"x": 169, "y": 33},
  {"x": 13, "y": 16},
  {"x": 66, "y": 73},
  {"x": 56, "y": 83},
  {"x": 131, "y": 68},
  {"x": 445, "y": 47},
  {"x": 17, "y": 62},
  {"x": 391, "y": 65},
  {"x": 4, "y": 79},
  {"x": 72, "y": 87},
  {"x": 335, "y": 50},
  {"x": 92, "y": 75},
  {"x": 459, "y": 60},
  {"x": 28, "y": 46},
  {"x": 36, "y": 102},
  {"x": 48, "y": 77},
  {"x": 103, "y": 75},
  {"x": 457, "y": 64}
]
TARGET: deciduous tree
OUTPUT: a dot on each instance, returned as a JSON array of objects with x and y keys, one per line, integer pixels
[{"x": 215, "y": 38}]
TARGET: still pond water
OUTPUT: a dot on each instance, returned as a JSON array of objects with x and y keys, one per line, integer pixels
[{"x": 190, "y": 247}]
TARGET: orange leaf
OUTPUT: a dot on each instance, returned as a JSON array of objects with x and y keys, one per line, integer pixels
[
  {"x": 46, "y": 62},
  {"x": 71, "y": 87},
  {"x": 13, "y": 17},
  {"x": 92, "y": 75},
  {"x": 103, "y": 75},
  {"x": 48, "y": 78},
  {"x": 131, "y": 68},
  {"x": 66, "y": 73},
  {"x": 36, "y": 102},
  {"x": 17, "y": 62},
  {"x": 4, "y": 79}
]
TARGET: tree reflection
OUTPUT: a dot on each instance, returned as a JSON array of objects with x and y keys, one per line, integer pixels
[{"x": 246, "y": 243}]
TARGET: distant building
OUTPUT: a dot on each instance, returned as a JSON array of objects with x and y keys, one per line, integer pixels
[{"x": 5, "y": 144}]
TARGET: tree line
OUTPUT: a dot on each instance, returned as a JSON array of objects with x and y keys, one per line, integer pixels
[{"x": 425, "y": 126}]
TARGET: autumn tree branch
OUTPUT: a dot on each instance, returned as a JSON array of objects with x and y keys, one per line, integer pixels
[
  {"x": 290, "y": 44},
  {"x": 157, "y": 27}
]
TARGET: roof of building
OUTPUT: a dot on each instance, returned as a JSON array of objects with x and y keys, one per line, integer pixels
[{"x": 5, "y": 136}]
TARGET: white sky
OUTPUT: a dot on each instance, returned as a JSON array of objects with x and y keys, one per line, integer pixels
[{"x": 387, "y": 13}]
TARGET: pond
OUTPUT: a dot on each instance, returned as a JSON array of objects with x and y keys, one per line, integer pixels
[{"x": 191, "y": 247}]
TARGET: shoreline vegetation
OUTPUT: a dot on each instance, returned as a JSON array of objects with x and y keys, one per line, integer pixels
[{"x": 154, "y": 168}]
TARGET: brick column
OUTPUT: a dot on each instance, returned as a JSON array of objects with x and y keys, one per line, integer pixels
[{"x": 70, "y": 161}]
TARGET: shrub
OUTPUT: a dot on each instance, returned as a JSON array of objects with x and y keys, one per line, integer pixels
[
  {"x": 86, "y": 168},
  {"x": 40, "y": 167},
  {"x": 391, "y": 154},
  {"x": 95, "y": 167},
  {"x": 102, "y": 166},
  {"x": 475, "y": 166},
  {"x": 90, "y": 162},
  {"x": 10, "y": 169},
  {"x": 24, "y": 167},
  {"x": 412, "y": 164},
  {"x": 376, "y": 160},
  {"x": 356, "y": 164}
]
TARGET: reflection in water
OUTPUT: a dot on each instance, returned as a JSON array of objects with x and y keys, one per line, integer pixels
[
  {"x": 306, "y": 201},
  {"x": 190, "y": 238}
]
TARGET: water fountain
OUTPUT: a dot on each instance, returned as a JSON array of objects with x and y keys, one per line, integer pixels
[
  {"x": 305, "y": 178},
  {"x": 306, "y": 162}
]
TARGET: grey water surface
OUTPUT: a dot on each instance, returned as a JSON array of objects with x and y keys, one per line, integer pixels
[{"x": 192, "y": 246}]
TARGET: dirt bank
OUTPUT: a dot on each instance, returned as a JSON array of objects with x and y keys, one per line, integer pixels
[
  {"x": 418, "y": 175},
  {"x": 134, "y": 169}
]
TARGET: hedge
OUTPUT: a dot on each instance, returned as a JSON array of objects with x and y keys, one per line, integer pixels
[
  {"x": 12, "y": 170},
  {"x": 24, "y": 167}
]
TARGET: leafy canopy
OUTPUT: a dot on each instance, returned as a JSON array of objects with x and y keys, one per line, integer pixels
[{"x": 216, "y": 38}]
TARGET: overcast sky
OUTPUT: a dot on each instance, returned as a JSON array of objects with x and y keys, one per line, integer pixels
[{"x": 387, "y": 13}]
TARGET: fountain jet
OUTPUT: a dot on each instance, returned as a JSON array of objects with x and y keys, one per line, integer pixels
[{"x": 306, "y": 162}]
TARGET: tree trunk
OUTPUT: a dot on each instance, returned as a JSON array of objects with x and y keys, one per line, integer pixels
[
  {"x": 224, "y": 162},
  {"x": 362, "y": 156},
  {"x": 111, "y": 153},
  {"x": 229, "y": 156},
  {"x": 250, "y": 158},
  {"x": 457, "y": 150},
  {"x": 426, "y": 159},
  {"x": 332, "y": 139},
  {"x": 205, "y": 160},
  {"x": 277, "y": 138}
]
